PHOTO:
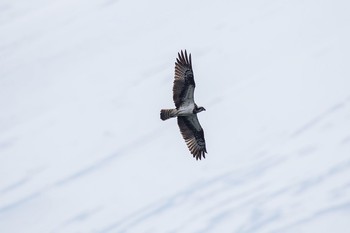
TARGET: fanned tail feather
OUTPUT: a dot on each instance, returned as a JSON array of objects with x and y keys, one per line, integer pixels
[{"x": 165, "y": 114}]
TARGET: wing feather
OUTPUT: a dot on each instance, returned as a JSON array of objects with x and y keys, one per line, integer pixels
[
  {"x": 193, "y": 134},
  {"x": 184, "y": 84}
]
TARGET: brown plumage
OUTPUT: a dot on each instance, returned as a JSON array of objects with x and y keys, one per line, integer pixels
[
  {"x": 183, "y": 78},
  {"x": 165, "y": 114},
  {"x": 186, "y": 109},
  {"x": 193, "y": 134}
]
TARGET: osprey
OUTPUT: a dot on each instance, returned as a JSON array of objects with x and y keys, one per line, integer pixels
[{"x": 186, "y": 109}]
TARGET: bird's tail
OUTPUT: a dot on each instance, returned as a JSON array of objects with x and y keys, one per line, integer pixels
[{"x": 165, "y": 114}]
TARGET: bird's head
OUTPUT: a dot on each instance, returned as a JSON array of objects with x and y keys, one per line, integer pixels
[{"x": 200, "y": 109}]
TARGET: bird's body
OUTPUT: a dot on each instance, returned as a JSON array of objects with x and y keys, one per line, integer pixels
[{"x": 186, "y": 109}]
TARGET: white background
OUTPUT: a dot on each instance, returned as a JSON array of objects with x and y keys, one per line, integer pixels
[{"x": 82, "y": 148}]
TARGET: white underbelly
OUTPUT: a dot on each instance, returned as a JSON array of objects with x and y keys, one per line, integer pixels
[{"x": 186, "y": 110}]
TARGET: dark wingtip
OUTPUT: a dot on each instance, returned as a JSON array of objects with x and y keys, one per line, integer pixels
[
  {"x": 199, "y": 155},
  {"x": 183, "y": 58}
]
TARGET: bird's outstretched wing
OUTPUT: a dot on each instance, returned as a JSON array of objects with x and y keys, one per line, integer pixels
[
  {"x": 184, "y": 84},
  {"x": 193, "y": 134}
]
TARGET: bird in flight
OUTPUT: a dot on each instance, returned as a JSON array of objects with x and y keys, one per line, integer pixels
[{"x": 186, "y": 109}]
